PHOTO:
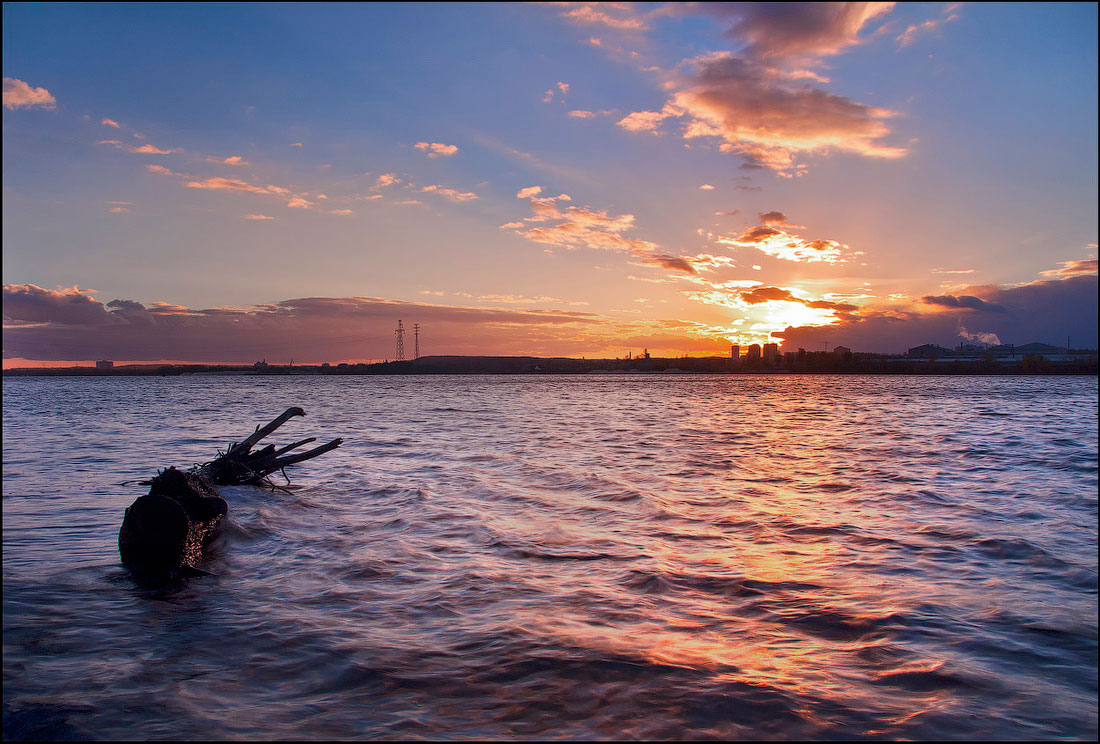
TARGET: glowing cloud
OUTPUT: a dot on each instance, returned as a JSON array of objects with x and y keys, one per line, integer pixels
[
  {"x": 17, "y": 94},
  {"x": 437, "y": 149},
  {"x": 1083, "y": 267},
  {"x": 451, "y": 194},
  {"x": 231, "y": 160},
  {"x": 950, "y": 13},
  {"x": 796, "y": 31},
  {"x": 789, "y": 247},
  {"x": 597, "y": 14},
  {"x": 579, "y": 227},
  {"x": 145, "y": 149},
  {"x": 110, "y": 123}
]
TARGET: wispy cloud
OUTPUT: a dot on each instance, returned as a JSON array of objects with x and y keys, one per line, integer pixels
[
  {"x": 110, "y": 123},
  {"x": 259, "y": 217},
  {"x": 619, "y": 16},
  {"x": 950, "y": 13},
  {"x": 146, "y": 149},
  {"x": 18, "y": 94},
  {"x": 231, "y": 160},
  {"x": 451, "y": 194},
  {"x": 1081, "y": 267}
]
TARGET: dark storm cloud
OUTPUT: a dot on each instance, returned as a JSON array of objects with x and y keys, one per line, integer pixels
[
  {"x": 1046, "y": 311},
  {"x": 70, "y": 325},
  {"x": 962, "y": 301}
]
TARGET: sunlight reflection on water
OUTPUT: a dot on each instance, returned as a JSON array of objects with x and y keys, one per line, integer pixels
[{"x": 565, "y": 557}]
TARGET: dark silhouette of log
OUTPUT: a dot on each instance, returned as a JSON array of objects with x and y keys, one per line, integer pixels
[{"x": 164, "y": 534}]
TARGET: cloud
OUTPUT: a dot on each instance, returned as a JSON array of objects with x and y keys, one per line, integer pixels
[
  {"x": 297, "y": 144},
  {"x": 963, "y": 301},
  {"x": 767, "y": 116},
  {"x": 761, "y": 102},
  {"x": 231, "y": 160},
  {"x": 384, "y": 180},
  {"x": 582, "y": 114},
  {"x": 17, "y": 94},
  {"x": 706, "y": 187},
  {"x": 610, "y": 15},
  {"x": 437, "y": 149},
  {"x": 950, "y": 13},
  {"x": 1045, "y": 310},
  {"x": 110, "y": 123},
  {"x": 451, "y": 194},
  {"x": 1082, "y": 267},
  {"x": 30, "y": 304},
  {"x": 69, "y": 324},
  {"x": 342, "y": 211},
  {"x": 796, "y": 31},
  {"x": 219, "y": 183},
  {"x": 145, "y": 149},
  {"x": 648, "y": 121},
  {"x": 789, "y": 247},
  {"x": 579, "y": 227},
  {"x": 153, "y": 150}
]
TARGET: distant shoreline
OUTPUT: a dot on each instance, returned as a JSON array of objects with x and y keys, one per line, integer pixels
[{"x": 815, "y": 363}]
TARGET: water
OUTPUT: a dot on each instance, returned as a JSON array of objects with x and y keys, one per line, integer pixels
[{"x": 604, "y": 557}]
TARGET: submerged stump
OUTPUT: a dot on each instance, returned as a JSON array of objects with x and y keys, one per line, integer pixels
[{"x": 165, "y": 533}]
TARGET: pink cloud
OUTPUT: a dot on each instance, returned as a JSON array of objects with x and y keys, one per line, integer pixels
[
  {"x": 796, "y": 31},
  {"x": 258, "y": 217},
  {"x": 110, "y": 123},
  {"x": 950, "y": 13},
  {"x": 617, "y": 16},
  {"x": 231, "y": 160},
  {"x": 1082, "y": 267},
  {"x": 146, "y": 149},
  {"x": 437, "y": 149},
  {"x": 18, "y": 94},
  {"x": 451, "y": 194}
]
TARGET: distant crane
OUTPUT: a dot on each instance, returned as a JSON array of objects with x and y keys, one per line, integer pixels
[{"x": 400, "y": 333}]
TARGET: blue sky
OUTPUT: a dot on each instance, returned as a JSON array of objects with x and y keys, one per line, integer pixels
[{"x": 320, "y": 170}]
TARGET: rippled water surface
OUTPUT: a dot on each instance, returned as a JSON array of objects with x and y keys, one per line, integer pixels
[{"x": 565, "y": 557}]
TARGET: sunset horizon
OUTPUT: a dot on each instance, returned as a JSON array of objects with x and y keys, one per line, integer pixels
[
  {"x": 564, "y": 371},
  {"x": 594, "y": 180}
]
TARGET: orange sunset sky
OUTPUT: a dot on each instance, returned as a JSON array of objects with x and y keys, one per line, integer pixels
[{"x": 228, "y": 183}]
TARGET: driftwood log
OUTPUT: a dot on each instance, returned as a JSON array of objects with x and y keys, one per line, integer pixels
[{"x": 164, "y": 533}]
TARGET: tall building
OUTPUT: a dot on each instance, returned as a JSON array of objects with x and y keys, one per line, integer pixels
[
  {"x": 753, "y": 353},
  {"x": 771, "y": 353},
  {"x": 735, "y": 352}
]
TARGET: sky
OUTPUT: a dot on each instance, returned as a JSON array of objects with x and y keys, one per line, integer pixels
[{"x": 235, "y": 182}]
